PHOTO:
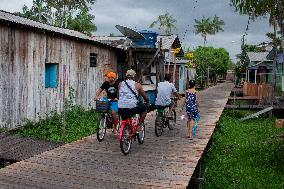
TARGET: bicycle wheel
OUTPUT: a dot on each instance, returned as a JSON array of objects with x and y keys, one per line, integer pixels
[
  {"x": 159, "y": 124},
  {"x": 101, "y": 128},
  {"x": 141, "y": 134},
  {"x": 125, "y": 139},
  {"x": 172, "y": 120},
  {"x": 109, "y": 123},
  {"x": 117, "y": 126}
]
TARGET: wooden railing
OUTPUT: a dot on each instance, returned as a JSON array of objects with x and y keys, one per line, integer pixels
[{"x": 262, "y": 91}]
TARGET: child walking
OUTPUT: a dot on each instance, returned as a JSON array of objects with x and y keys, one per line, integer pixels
[{"x": 191, "y": 107}]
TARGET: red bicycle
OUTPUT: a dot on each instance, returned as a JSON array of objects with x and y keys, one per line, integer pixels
[{"x": 129, "y": 132}]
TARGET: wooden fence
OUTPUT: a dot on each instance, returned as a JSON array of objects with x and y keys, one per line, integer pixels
[{"x": 262, "y": 91}]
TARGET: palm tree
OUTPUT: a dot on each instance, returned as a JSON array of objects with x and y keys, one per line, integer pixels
[
  {"x": 38, "y": 12},
  {"x": 203, "y": 27},
  {"x": 206, "y": 27},
  {"x": 256, "y": 8},
  {"x": 166, "y": 23},
  {"x": 217, "y": 24}
]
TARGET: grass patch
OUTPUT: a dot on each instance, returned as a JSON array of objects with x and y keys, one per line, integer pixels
[
  {"x": 246, "y": 154},
  {"x": 3, "y": 130},
  {"x": 79, "y": 124},
  {"x": 241, "y": 102}
]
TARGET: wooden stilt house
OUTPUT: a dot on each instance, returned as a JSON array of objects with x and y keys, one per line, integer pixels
[{"x": 39, "y": 64}]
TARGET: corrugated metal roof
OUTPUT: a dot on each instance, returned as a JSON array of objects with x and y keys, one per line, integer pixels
[
  {"x": 256, "y": 66},
  {"x": 114, "y": 41},
  {"x": 9, "y": 17},
  {"x": 258, "y": 56},
  {"x": 167, "y": 41},
  {"x": 123, "y": 43}
]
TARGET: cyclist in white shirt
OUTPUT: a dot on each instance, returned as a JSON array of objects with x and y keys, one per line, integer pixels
[
  {"x": 129, "y": 92},
  {"x": 166, "y": 90}
]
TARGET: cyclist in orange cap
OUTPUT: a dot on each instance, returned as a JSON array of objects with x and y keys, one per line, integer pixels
[{"x": 111, "y": 88}]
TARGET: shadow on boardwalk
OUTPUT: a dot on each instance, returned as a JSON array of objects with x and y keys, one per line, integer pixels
[
  {"x": 165, "y": 162},
  {"x": 14, "y": 148}
]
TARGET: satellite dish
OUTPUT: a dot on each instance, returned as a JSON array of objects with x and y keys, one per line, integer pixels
[{"x": 130, "y": 33}]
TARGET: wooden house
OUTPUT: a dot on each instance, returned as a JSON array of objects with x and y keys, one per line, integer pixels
[
  {"x": 39, "y": 63},
  {"x": 175, "y": 64},
  {"x": 259, "y": 68},
  {"x": 144, "y": 56}
]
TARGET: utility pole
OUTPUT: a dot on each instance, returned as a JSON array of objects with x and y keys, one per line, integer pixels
[{"x": 243, "y": 40}]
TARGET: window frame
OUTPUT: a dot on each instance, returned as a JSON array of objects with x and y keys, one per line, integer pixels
[{"x": 51, "y": 75}]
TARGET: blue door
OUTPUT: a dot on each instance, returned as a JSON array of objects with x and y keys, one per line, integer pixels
[{"x": 181, "y": 79}]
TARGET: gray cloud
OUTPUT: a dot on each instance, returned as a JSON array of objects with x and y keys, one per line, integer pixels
[
  {"x": 139, "y": 15},
  {"x": 14, "y": 5}
]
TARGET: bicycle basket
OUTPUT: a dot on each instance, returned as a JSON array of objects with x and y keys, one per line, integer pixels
[{"x": 102, "y": 106}]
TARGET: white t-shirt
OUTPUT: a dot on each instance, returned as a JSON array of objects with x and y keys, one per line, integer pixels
[
  {"x": 126, "y": 98},
  {"x": 165, "y": 92}
]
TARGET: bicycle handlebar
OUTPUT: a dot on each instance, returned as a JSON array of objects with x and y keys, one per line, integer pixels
[
  {"x": 175, "y": 98},
  {"x": 111, "y": 100}
]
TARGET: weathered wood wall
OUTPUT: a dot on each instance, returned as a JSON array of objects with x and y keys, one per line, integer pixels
[{"x": 23, "y": 55}]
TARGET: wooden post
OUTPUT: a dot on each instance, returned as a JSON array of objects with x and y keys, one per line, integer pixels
[
  {"x": 201, "y": 79},
  {"x": 208, "y": 75},
  {"x": 130, "y": 58},
  {"x": 159, "y": 71},
  {"x": 248, "y": 77},
  {"x": 175, "y": 67},
  {"x": 64, "y": 100},
  {"x": 170, "y": 58},
  {"x": 255, "y": 74}
]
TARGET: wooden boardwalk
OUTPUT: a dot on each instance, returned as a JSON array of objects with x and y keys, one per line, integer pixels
[{"x": 165, "y": 162}]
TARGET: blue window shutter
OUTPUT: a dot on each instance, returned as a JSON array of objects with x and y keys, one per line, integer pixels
[
  {"x": 53, "y": 75},
  {"x": 47, "y": 75}
]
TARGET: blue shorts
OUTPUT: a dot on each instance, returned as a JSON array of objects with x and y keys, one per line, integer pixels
[{"x": 114, "y": 106}]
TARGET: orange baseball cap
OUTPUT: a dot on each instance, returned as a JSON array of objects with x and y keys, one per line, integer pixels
[{"x": 111, "y": 75}]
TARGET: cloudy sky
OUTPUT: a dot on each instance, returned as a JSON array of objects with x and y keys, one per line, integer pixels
[{"x": 140, "y": 13}]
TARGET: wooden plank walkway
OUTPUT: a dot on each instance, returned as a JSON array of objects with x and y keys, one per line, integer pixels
[
  {"x": 165, "y": 162},
  {"x": 15, "y": 148}
]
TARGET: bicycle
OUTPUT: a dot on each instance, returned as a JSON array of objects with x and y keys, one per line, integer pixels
[
  {"x": 128, "y": 133},
  {"x": 105, "y": 118},
  {"x": 163, "y": 120}
]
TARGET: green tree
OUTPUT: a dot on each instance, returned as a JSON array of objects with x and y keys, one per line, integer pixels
[
  {"x": 37, "y": 12},
  {"x": 206, "y": 26},
  {"x": 243, "y": 57},
  {"x": 71, "y": 14},
  {"x": 82, "y": 22},
  {"x": 203, "y": 27},
  {"x": 165, "y": 22},
  {"x": 260, "y": 8},
  {"x": 276, "y": 40},
  {"x": 217, "y": 59},
  {"x": 241, "y": 66}
]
